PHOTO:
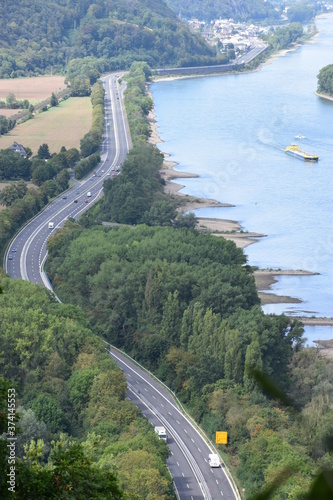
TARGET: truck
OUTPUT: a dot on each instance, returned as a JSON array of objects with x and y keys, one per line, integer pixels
[
  {"x": 213, "y": 460},
  {"x": 51, "y": 225},
  {"x": 89, "y": 194},
  {"x": 161, "y": 432}
]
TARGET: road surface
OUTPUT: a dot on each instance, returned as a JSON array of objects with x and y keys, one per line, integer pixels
[{"x": 27, "y": 252}]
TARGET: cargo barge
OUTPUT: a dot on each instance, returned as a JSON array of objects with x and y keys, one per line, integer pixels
[{"x": 294, "y": 150}]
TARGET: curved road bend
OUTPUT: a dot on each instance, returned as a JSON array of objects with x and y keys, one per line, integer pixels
[
  {"x": 188, "y": 463},
  {"x": 194, "y": 479},
  {"x": 27, "y": 251}
]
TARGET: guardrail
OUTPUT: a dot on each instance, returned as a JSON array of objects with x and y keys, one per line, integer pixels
[{"x": 186, "y": 415}]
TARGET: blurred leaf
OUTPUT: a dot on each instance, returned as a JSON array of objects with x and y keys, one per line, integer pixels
[
  {"x": 322, "y": 488},
  {"x": 266, "y": 493},
  {"x": 269, "y": 386}
]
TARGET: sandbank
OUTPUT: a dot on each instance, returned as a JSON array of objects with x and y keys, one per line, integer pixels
[{"x": 324, "y": 96}]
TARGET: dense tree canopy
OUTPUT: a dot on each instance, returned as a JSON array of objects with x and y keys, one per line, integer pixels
[
  {"x": 325, "y": 80},
  {"x": 37, "y": 37},
  {"x": 239, "y": 10},
  {"x": 66, "y": 382}
]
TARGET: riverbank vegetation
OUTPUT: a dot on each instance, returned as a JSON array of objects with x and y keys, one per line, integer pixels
[
  {"x": 282, "y": 38},
  {"x": 76, "y": 430},
  {"x": 325, "y": 80}
]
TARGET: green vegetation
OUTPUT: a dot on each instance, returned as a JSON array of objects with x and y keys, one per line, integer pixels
[
  {"x": 90, "y": 143},
  {"x": 302, "y": 12},
  {"x": 22, "y": 203},
  {"x": 325, "y": 80},
  {"x": 6, "y": 124},
  {"x": 281, "y": 38},
  {"x": 137, "y": 102},
  {"x": 256, "y": 10},
  {"x": 13, "y": 166},
  {"x": 79, "y": 436},
  {"x": 40, "y": 37},
  {"x": 184, "y": 305},
  {"x": 13, "y": 103}
]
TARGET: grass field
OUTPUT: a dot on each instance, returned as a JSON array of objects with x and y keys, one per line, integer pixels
[
  {"x": 8, "y": 112},
  {"x": 63, "y": 125},
  {"x": 34, "y": 89}
]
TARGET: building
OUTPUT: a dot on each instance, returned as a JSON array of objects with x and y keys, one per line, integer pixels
[{"x": 18, "y": 148}]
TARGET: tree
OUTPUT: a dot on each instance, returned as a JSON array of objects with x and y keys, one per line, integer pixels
[
  {"x": 253, "y": 361},
  {"x": 161, "y": 213},
  {"x": 54, "y": 100},
  {"x": 80, "y": 86},
  {"x": 43, "y": 152},
  {"x": 11, "y": 101},
  {"x": 8, "y": 195}
]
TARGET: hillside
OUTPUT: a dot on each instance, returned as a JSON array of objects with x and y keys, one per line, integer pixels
[
  {"x": 44, "y": 36},
  {"x": 214, "y": 9}
]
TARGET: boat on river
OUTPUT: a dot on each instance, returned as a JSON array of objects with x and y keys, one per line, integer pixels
[
  {"x": 299, "y": 136},
  {"x": 294, "y": 150}
]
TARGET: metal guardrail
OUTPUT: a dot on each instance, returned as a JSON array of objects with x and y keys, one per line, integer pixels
[
  {"x": 188, "y": 455},
  {"x": 188, "y": 417}
]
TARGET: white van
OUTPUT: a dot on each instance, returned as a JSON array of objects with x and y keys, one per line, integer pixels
[
  {"x": 213, "y": 460},
  {"x": 51, "y": 225},
  {"x": 89, "y": 194}
]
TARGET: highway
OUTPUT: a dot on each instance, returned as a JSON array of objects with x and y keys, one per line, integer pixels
[
  {"x": 27, "y": 252},
  {"x": 25, "y": 258},
  {"x": 193, "y": 478}
]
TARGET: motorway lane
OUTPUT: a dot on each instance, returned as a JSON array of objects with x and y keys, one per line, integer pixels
[
  {"x": 183, "y": 477},
  {"x": 214, "y": 482},
  {"x": 30, "y": 244}
]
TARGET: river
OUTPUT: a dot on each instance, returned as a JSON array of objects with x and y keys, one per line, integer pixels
[{"x": 231, "y": 130}]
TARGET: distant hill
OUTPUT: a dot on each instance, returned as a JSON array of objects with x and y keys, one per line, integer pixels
[
  {"x": 39, "y": 36},
  {"x": 214, "y": 9}
]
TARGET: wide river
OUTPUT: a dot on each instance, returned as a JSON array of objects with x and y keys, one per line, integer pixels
[{"x": 231, "y": 130}]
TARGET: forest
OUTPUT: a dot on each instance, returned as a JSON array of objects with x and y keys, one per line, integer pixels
[
  {"x": 184, "y": 304},
  {"x": 325, "y": 80},
  {"x": 208, "y": 10},
  {"x": 40, "y": 37},
  {"x": 77, "y": 434}
]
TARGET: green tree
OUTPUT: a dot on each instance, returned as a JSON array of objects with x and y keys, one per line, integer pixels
[
  {"x": 161, "y": 213},
  {"x": 8, "y": 195},
  {"x": 54, "y": 100},
  {"x": 253, "y": 362},
  {"x": 43, "y": 152}
]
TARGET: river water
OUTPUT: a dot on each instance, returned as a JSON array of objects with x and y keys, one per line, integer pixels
[{"x": 231, "y": 130}]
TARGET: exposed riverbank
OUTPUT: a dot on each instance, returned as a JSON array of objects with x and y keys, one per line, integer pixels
[{"x": 324, "y": 96}]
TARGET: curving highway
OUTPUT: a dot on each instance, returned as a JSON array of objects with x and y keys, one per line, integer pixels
[
  {"x": 194, "y": 479},
  {"x": 24, "y": 259},
  {"x": 27, "y": 252}
]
